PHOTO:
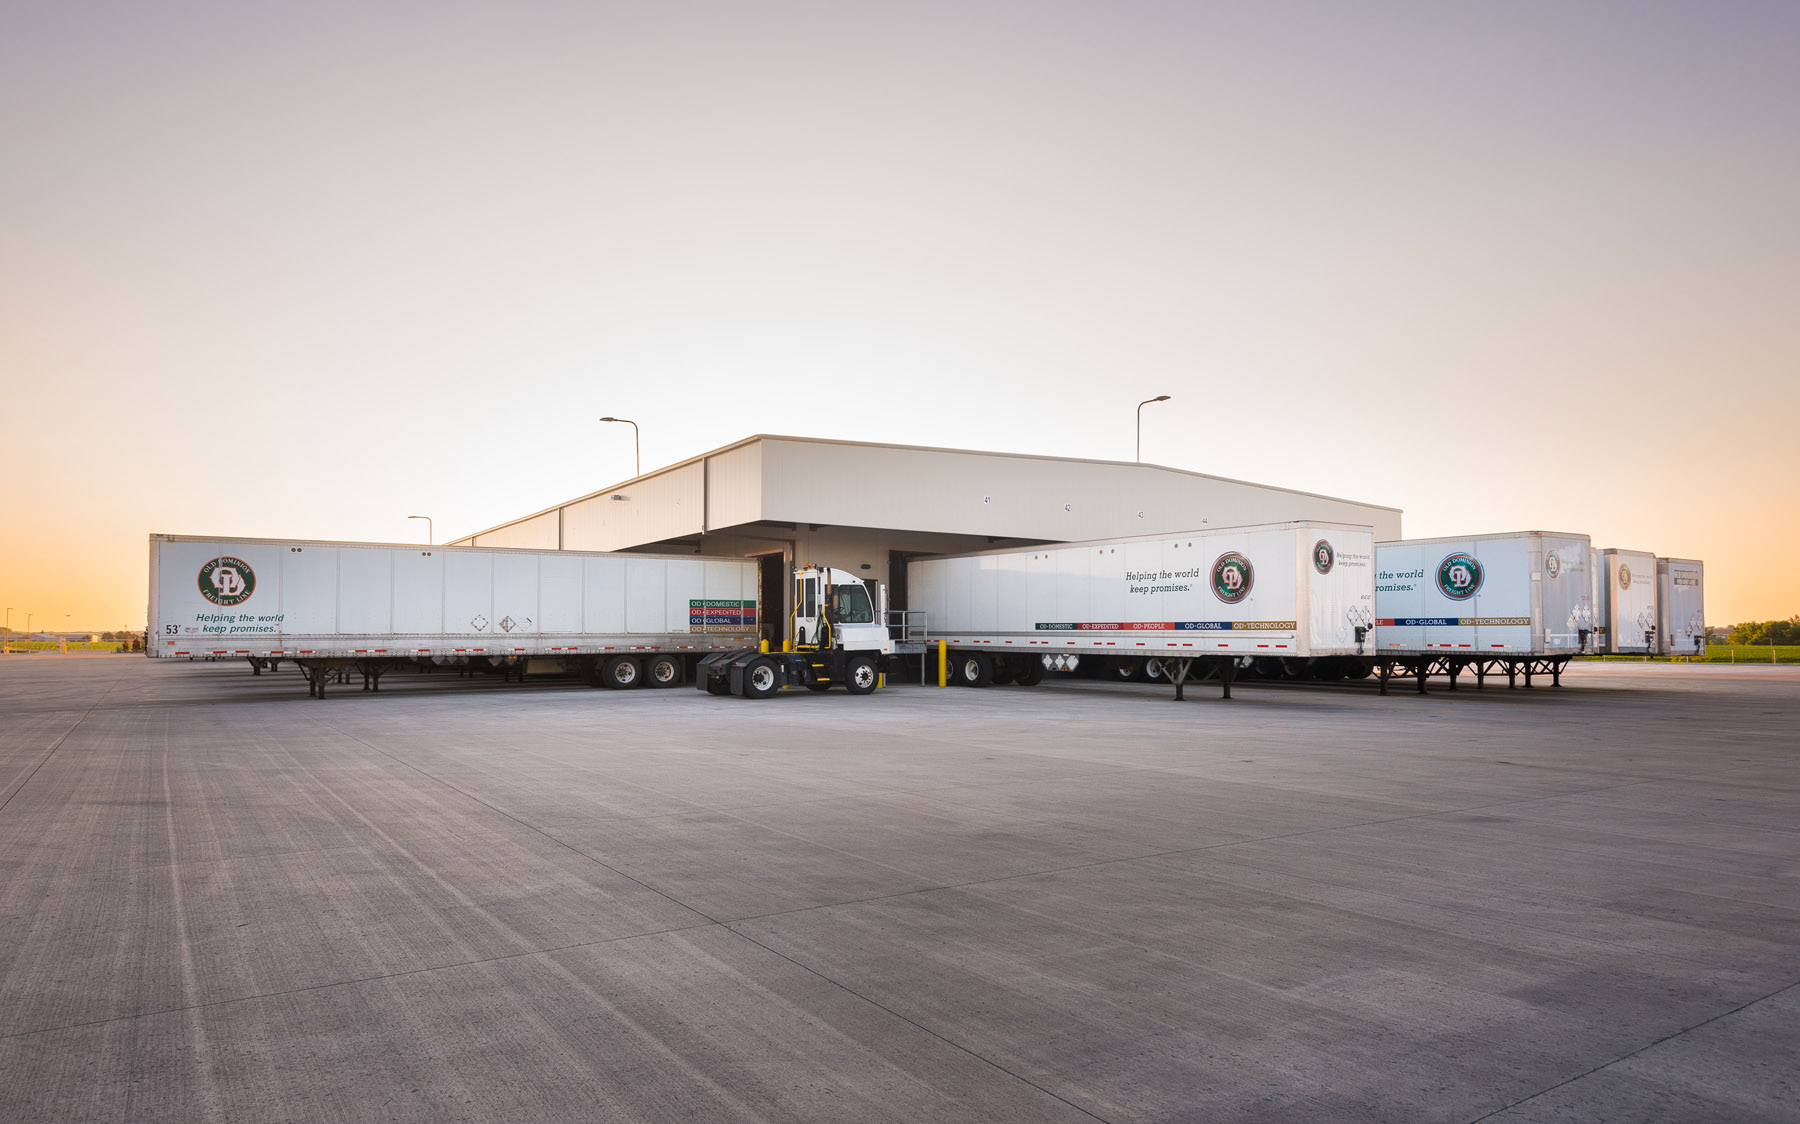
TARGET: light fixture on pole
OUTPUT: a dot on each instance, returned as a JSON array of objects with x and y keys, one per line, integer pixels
[
  {"x": 637, "y": 458},
  {"x": 430, "y": 528},
  {"x": 1140, "y": 427}
]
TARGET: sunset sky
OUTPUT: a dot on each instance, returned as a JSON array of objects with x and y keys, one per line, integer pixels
[{"x": 303, "y": 270}]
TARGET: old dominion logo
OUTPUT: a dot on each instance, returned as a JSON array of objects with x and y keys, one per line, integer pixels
[
  {"x": 227, "y": 581},
  {"x": 1459, "y": 576},
  {"x": 1232, "y": 577}
]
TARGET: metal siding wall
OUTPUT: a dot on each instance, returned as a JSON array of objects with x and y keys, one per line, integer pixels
[
  {"x": 734, "y": 486},
  {"x": 1012, "y": 497},
  {"x": 536, "y": 533}
]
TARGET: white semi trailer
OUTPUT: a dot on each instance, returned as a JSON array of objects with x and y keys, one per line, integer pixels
[
  {"x": 1200, "y": 604},
  {"x": 332, "y": 608},
  {"x": 1519, "y": 602},
  {"x": 1625, "y": 601},
  {"x": 1680, "y": 607}
]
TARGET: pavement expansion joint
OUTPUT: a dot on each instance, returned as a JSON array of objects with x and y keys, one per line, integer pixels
[
  {"x": 596, "y": 860},
  {"x": 916, "y": 1025},
  {"x": 354, "y": 981},
  {"x": 58, "y": 744},
  {"x": 1648, "y": 1046}
]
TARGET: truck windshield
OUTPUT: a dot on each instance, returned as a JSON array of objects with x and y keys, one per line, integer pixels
[{"x": 850, "y": 605}]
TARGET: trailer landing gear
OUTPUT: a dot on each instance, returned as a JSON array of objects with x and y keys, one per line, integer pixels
[
  {"x": 1224, "y": 670},
  {"x": 1450, "y": 667},
  {"x": 320, "y": 672}
]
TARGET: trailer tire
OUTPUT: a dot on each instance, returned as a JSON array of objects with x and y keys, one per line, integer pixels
[
  {"x": 761, "y": 678},
  {"x": 819, "y": 687},
  {"x": 622, "y": 673},
  {"x": 1003, "y": 672},
  {"x": 1030, "y": 672},
  {"x": 861, "y": 676},
  {"x": 664, "y": 671},
  {"x": 1127, "y": 671},
  {"x": 973, "y": 669},
  {"x": 1154, "y": 672}
]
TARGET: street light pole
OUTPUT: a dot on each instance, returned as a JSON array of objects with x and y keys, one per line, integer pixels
[
  {"x": 1140, "y": 427},
  {"x": 430, "y": 529},
  {"x": 637, "y": 458},
  {"x": 8, "y": 637}
]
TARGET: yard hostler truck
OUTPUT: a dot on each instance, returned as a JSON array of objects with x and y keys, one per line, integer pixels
[
  {"x": 618, "y": 620},
  {"x": 1520, "y": 602},
  {"x": 1287, "y": 600},
  {"x": 839, "y": 636}
]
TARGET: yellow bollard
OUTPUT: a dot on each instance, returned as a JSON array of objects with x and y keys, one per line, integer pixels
[
  {"x": 765, "y": 647},
  {"x": 943, "y": 663}
]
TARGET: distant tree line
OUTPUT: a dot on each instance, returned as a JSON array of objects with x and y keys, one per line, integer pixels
[{"x": 1766, "y": 632}]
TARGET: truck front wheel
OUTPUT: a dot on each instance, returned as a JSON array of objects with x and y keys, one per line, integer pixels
[
  {"x": 860, "y": 677},
  {"x": 760, "y": 679}
]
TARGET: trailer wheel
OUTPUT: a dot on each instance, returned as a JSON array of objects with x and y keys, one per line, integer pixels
[
  {"x": 974, "y": 669},
  {"x": 622, "y": 673},
  {"x": 1029, "y": 673},
  {"x": 861, "y": 676},
  {"x": 664, "y": 671},
  {"x": 760, "y": 679},
  {"x": 1003, "y": 672},
  {"x": 1154, "y": 671}
]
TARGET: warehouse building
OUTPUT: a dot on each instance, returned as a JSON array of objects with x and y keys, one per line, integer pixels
[{"x": 870, "y": 507}]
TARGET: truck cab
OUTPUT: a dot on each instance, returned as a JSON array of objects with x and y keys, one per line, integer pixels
[
  {"x": 839, "y": 637},
  {"x": 835, "y": 609}
]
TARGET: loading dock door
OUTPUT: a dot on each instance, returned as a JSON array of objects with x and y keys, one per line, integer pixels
[{"x": 772, "y": 609}]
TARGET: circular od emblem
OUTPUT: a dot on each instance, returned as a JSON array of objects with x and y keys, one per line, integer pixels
[
  {"x": 1232, "y": 577},
  {"x": 1324, "y": 558},
  {"x": 1624, "y": 576},
  {"x": 1459, "y": 576},
  {"x": 1552, "y": 565},
  {"x": 227, "y": 581}
]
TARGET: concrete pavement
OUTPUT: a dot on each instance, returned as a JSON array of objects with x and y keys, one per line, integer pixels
[{"x": 462, "y": 900}]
